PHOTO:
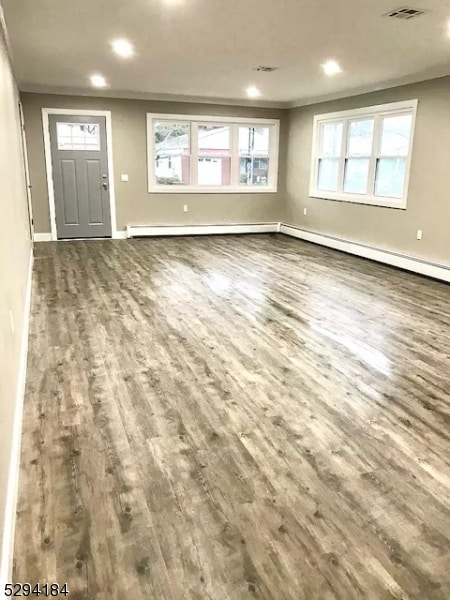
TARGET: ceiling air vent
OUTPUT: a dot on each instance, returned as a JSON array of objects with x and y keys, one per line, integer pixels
[
  {"x": 263, "y": 69},
  {"x": 405, "y": 13}
]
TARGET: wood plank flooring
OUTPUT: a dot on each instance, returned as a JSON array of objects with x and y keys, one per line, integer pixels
[{"x": 226, "y": 418}]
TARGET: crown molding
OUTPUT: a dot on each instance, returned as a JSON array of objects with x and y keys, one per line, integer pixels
[
  {"x": 134, "y": 95},
  {"x": 440, "y": 72}
]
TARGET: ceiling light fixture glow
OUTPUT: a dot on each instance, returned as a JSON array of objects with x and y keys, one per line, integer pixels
[
  {"x": 331, "y": 67},
  {"x": 253, "y": 92},
  {"x": 122, "y": 48},
  {"x": 98, "y": 81}
]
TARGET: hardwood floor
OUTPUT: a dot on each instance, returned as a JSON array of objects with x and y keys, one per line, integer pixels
[{"x": 234, "y": 417}]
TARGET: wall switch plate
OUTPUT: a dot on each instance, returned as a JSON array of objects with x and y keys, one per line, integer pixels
[
  {"x": 305, "y": 211},
  {"x": 419, "y": 234},
  {"x": 124, "y": 177},
  {"x": 185, "y": 208}
]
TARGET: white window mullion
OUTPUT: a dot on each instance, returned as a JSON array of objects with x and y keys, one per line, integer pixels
[
  {"x": 376, "y": 144},
  {"x": 316, "y": 147},
  {"x": 273, "y": 156},
  {"x": 194, "y": 154},
  {"x": 343, "y": 156},
  {"x": 234, "y": 153}
]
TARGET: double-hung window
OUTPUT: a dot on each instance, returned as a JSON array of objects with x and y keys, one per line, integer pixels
[
  {"x": 212, "y": 154},
  {"x": 364, "y": 155}
]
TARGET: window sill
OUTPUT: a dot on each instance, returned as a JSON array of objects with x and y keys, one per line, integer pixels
[
  {"x": 176, "y": 189},
  {"x": 399, "y": 203}
]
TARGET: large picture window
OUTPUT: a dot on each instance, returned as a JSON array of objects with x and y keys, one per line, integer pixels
[
  {"x": 364, "y": 155},
  {"x": 211, "y": 154}
]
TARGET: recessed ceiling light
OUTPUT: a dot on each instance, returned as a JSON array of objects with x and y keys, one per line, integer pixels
[
  {"x": 253, "y": 92},
  {"x": 98, "y": 81},
  {"x": 122, "y": 48},
  {"x": 331, "y": 67}
]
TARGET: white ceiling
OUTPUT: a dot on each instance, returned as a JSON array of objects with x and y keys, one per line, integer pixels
[{"x": 207, "y": 49}]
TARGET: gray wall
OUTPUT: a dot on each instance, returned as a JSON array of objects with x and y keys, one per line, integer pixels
[
  {"x": 134, "y": 205},
  {"x": 15, "y": 249},
  {"x": 392, "y": 229},
  {"x": 429, "y": 187}
]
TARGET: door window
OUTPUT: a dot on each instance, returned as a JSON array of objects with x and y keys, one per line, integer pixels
[{"x": 78, "y": 136}]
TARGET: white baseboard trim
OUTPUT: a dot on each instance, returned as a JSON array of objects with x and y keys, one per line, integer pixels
[
  {"x": 47, "y": 237},
  {"x": 163, "y": 230},
  {"x": 9, "y": 520},
  {"x": 395, "y": 259},
  {"x": 42, "y": 237}
]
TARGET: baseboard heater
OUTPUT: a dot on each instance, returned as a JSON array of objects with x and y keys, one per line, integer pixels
[
  {"x": 134, "y": 231},
  {"x": 388, "y": 257}
]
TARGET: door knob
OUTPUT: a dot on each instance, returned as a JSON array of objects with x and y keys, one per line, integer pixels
[{"x": 105, "y": 185}]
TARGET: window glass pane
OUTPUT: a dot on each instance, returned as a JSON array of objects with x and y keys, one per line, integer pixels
[
  {"x": 171, "y": 137},
  {"x": 390, "y": 177},
  {"x": 254, "y": 140},
  {"x": 172, "y": 162},
  {"x": 396, "y": 132},
  {"x": 331, "y": 139},
  {"x": 78, "y": 136},
  {"x": 214, "y": 162},
  {"x": 356, "y": 175},
  {"x": 214, "y": 171},
  {"x": 254, "y": 171},
  {"x": 213, "y": 140},
  {"x": 172, "y": 169},
  {"x": 254, "y": 155},
  {"x": 360, "y": 137},
  {"x": 328, "y": 174}
]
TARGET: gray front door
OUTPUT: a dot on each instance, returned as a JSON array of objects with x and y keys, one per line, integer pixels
[{"x": 80, "y": 176}]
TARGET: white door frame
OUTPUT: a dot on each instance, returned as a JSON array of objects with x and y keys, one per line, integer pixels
[
  {"x": 27, "y": 169},
  {"x": 48, "y": 161}
]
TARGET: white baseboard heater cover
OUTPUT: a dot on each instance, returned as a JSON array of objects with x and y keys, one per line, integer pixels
[{"x": 166, "y": 230}]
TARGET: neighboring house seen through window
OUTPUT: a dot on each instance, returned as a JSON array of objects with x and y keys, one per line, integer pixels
[
  {"x": 212, "y": 154},
  {"x": 364, "y": 155}
]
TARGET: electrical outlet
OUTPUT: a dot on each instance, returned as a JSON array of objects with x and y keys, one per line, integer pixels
[
  {"x": 124, "y": 177},
  {"x": 186, "y": 208},
  {"x": 419, "y": 234},
  {"x": 11, "y": 321},
  {"x": 305, "y": 211}
]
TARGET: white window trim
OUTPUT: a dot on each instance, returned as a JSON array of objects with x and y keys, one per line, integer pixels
[
  {"x": 270, "y": 188},
  {"x": 378, "y": 112}
]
